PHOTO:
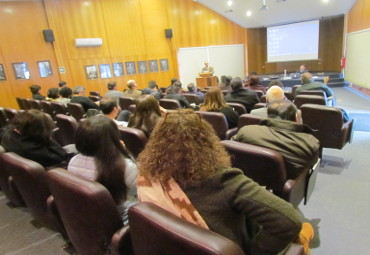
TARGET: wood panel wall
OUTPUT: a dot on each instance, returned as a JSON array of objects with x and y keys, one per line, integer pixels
[
  {"x": 131, "y": 30},
  {"x": 359, "y": 16},
  {"x": 330, "y": 50}
]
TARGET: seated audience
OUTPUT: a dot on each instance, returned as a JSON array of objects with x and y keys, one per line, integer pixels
[
  {"x": 309, "y": 84},
  {"x": 254, "y": 83},
  {"x": 62, "y": 84},
  {"x": 275, "y": 83},
  {"x": 53, "y": 94},
  {"x": 146, "y": 115},
  {"x": 225, "y": 84},
  {"x": 80, "y": 98},
  {"x": 282, "y": 133},
  {"x": 36, "y": 92},
  {"x": 152, "y": 90},
  {"x": 274, "y": 94},
  {"x": 132, "y": 90},
  {"x": 185, "y": 170},
  {"x": 65, "y": 94},
  {"x": 241, "y": 95},
  {"x": 29, "y": 135},
  {"x": 113, "y": 91},
  {"x": 104, "y": 159},
  {"x": 214, "y": 102},
  {"x": 111, "y": 109},
  {"x": 174, "y": 92},
  {"x": 192, "y": 89}
]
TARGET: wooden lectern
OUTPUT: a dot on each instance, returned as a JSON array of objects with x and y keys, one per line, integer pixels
[{"x": 206, "y": 80}]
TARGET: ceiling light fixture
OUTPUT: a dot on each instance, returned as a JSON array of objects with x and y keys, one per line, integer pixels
[
  {"x": 248, "y": 13},
  {"x": 264, "y": 6},
  {"x": 230, "y": 3}
]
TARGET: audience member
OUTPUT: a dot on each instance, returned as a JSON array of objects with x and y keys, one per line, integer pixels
[
  {"x": 146, "y": 115},
  {"x": 104, "y": 158},
  {"x": 80, "y": 98},
  {"x": 185, "y": 170},
  {"x": 241, "y": 95},
  {"x": 226, "y": 84},
  {"x": 274, "y": 94},
  {"x": 254, "y": 83},
  {"x": 132, "y": 90},
  {"x": 62, "y": 84},
  {"x": 111, "y": 109},
  {"x": 29, "y": 135},
  {"x": 192, "y": 89},
  {"x": 309, "y": 84},
  {"x": 281, "y": 133},
  {"x": 214, "y": 102},
  {"x": 65, "y": 94},
  {"x": 275, "y": 83},
  {"x": 53, "y": 94},
  {"x": 36, "y": 92},
  {"x": 174, "y": 92},
  {"x": 112, "y": 90},
  {"x": 152, "y": 90}
]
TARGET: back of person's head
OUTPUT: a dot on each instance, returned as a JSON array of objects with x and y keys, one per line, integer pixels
[
  {"x": 223, "y": 79},
  {"x": 306, "y": 78},
  {"x": 146, "y": 115},
  {"x": 173, "y": 89},
  {"x": 191, "y": 87},
  {"x": 236, "y": 83},
  {"x": 275, "y": 93},
  {"x": 107, "y": 105},
  {"x": 284, "y": 110},
  {"x": 78, "y": 89},
  {"x": 228, "y": 80},
  {"x": 254, "y": 80},
  {"x": 173, "y": 80},
  {"x": 213, "y": 100},
  {"x": 275, "y": 83},
  {"x": 35, "y": 89},
  {"x": 112, "y": 85},
  {"x": 131, "y": 84},
  {"x": 65, "y": 92},
  {"x": 184, "y": 147},
  {"x": 53, "y": 93},
  {"x": 98, "y": 137},
  {"x": 33, "y": 124},
  {"x": 62, "y": 84},
  {"x": 177, "y": 84},
  {"x": 152, "y": 85}
]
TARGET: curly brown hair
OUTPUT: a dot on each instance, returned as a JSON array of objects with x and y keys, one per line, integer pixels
[{"x": 185, "y": 147}]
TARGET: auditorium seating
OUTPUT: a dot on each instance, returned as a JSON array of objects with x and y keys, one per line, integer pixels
[
  {"x": 3, "y": 117},
  {"x": 300, "y": 100},
  {"x": 248, "y": 119},
  {"x": 35, "y": 104},
  {"x": 89, "y": 214},
  {"x": 67, "y": 127},
  {"x": 132, "y": 108},
  {"x": 59, "y": 108},
  {"x": 95, "y": 93},
  {"x": 134, "y": 139},
  {"x": 259, "y": 105},
  {"x": 170, "y": 104},
  {"x": 20, "y": 103},
  {"x": 192, "y": 98},
  {"x": 47, "y": 108},
  {"x": 10, "y": 113},
  {"x": 239, "y": 108},
  {"x": 76, "y": 110},
  {"x": 219, "y": 123},
  {"x": 125, "y": 102},
  {"x": 94, "y": 98}
]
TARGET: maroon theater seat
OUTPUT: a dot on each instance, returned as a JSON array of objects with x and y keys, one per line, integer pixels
[
  {"x": 170, "y": 104},
  {"x": 219, "y": 123}
]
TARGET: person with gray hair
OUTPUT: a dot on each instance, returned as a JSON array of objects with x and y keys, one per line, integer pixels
[
  {"x": 80, "y": 98},
  {"x": 192, "y": 89},
  {"x": 274, "y": 94},
  {"x": 241, "y": 95},
  {"x": 132, "y": 90},
  {"x": 112, "y": 90}
]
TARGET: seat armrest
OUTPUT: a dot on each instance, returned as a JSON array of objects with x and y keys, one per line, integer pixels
[
  {"x": 230, "y": 133},
  {"x": 295, "y": 249},
  {"x": 121, "y": 242},
  {"x": 347, "y": 130}
]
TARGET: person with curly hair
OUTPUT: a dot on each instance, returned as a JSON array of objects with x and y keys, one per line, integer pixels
[{"x": 185, "y": 169}]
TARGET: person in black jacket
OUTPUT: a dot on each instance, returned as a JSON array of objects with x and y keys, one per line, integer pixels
[
  {"x": 35, "y": 90},
  {"x": 80, "y": 98},
  {"x": 174, "y": 92},
  {"x": 29, "y": 136},
  {"x": 241, "y": 95}
]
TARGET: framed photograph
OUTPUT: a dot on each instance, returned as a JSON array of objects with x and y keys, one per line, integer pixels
[
  {"x": 164, "y": 64},
  {"x": 2, "y": 73},
  {"x": 118, "y": 69},
  {"x": 142, "y": 66},
  {"x": 105, "y": 71},
  {"x": 91, "y": 72},
  {"x": 130, "y": 67},
  {"x": 153, "y": 66},
  {"x": 44, "y": 68},
  {"x": 21, "y": 71}
]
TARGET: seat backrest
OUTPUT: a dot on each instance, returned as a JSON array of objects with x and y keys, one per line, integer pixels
[
  {"x": 263, "y": 99},
  {"x": 132, "y": 108},
  {"x": 20, "y": 103},
  {"x": 26, "y": 103},
  {"x": 259, "y": 93},
  {"x": 155, "y": 231},
  {"x": 289, "y": 95},
  {"x": 59, "y": 108},
  {"x": 239, "y": 108},
  {"x": 35, "y": 104},
  {"x": 94, "y": 98},
  {"x": 328, "y": 123},
  {"x": 263, "y": 165},
  {"x": 218, "y": 122},
  {"x": 192, "y": 98},
  {"x": 46, "y": 107},
  {"x": 294, "y": 88},
  {"x": 248, "y": 119},
  {"x": 313, "y": 92},
  {"x": 67, "y": 127},
  {"x": 134, "y": 139},
  {"x": 300, "y": 100},
  {"x": 3, "y": 117},
  {"x": 259, "y": 105},
  {"x": 87, "y": 210},
  {"x": 170, "y": 104},
  {"x": 95, "y": 93},
  {"x": 76, "y": 110},
  {"x": 125, "y": 102},
  {"x": 30, "y": 180},
  {"x": 10, "y": 113}
]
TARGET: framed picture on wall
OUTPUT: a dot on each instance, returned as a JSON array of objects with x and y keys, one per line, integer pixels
[
  {"x": 142, "y": 66},
  {"x": 164, "y": 64},
  {"x": 91, "y": 72},
  {"x": 21, "y": 71},
  {"x": 105, "y": 71},
  {"x": 130, "y": 67},
  {"x": 153, "y": 66},
  {"x": 2, "y": 73},
  {"x": 118, "y": 69},
  {"x": 44, "y": 68}
]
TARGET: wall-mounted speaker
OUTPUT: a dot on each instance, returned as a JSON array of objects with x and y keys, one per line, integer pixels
[
  {"x": 168, "y": 32},
  {"x": 48, "y": 35}
]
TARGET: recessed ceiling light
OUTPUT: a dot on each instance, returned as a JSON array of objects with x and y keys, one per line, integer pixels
[
  {"x": 325, "y": 1},
  {"x": 248, "y": 13},
  {"x": 230, "y": 3}
]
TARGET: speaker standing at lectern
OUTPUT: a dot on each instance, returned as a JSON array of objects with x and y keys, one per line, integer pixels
[{"x": 207, "y": 68}]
